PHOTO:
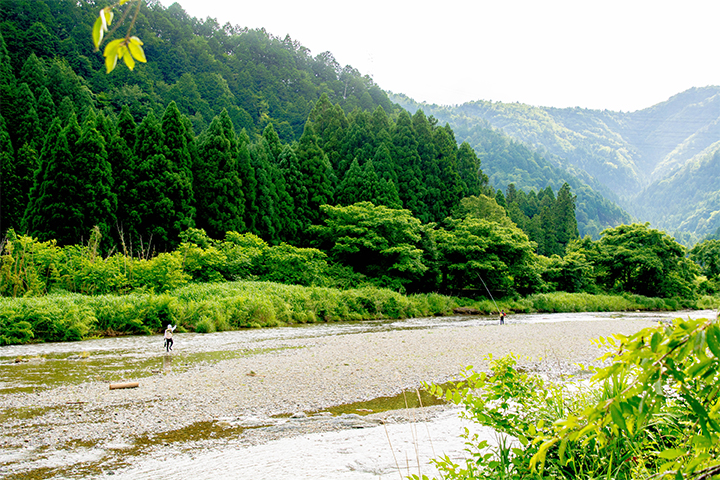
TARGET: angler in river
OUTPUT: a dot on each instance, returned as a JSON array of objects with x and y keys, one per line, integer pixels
[{"x": 168, "y": 337}]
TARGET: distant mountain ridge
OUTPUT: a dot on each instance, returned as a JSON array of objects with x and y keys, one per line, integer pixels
[{"x": 648, "y": 158}]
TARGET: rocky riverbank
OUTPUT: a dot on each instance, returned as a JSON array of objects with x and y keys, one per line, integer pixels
[{"x": 232, "y": 397}]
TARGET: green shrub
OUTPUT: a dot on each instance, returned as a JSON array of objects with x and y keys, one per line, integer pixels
[
  {"x": 650, "y": 412},
  {"x": 13, "y": 330},
  {"x": 27, "y": 266},
  {"x": 161, "y": 273},
  {"x": 292, "y": 265}
]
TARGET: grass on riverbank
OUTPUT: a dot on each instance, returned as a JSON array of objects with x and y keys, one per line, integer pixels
[
  {"x": 204, "y": 308},
  {"x": 214, "y": 307}
]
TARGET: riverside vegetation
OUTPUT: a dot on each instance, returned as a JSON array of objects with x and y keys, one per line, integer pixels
[{"x": 53, "y": 293}]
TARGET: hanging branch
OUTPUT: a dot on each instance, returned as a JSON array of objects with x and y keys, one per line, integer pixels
[{"x": 129, "y": 48}]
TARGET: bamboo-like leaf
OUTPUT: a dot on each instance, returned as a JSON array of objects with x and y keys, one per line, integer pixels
[
  {"x": 97, "y": 33},
  {"x": 713, "y": 340},
  {"x": 110, "y": 62},
  {"x": 112, "y": 54},
  {"x": 136, "y": 50},
  {"x": 125, "y": 54},
  {"x": 671, "y": 453},
  {"x": 655, "y": 341},
  {"x": 617, "y": 417},
  {"x": 106, "y": 16}
]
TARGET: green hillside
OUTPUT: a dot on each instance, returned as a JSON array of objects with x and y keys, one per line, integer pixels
[
  {"x": 638, "y": 156},
  {"x": 201, "y": 65},
  {"x": 508, "y": 161}
]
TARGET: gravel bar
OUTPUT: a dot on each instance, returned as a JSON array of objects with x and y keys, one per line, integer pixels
[{"x": 303, "y": 375}]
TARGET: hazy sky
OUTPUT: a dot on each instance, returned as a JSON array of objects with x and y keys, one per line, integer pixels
[{"x": 611, "y": 54}]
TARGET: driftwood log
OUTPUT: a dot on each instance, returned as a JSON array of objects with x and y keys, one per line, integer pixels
[{"x": 114, "y": 386}]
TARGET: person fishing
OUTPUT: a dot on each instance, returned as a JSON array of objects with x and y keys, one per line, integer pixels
[
  {"x": 502, "y": 317},
  {"x": 168, "y": 337}
]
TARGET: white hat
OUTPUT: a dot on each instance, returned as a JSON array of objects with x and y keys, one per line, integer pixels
[{"x": 170, "y": 326}]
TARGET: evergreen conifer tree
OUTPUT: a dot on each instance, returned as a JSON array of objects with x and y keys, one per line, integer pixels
[
  {"x": 317, "y": 174},
  {"x": 328, "y": 123},
  {"x": 405, "y": 154},
  {"x": 358, "y": 142},
  {"x": 565, "y": 219},
  {"x": 383, "y": 162},
  {"x": 266, "y": 196},
  {"x": 352, "y": 188},
  {"x": 274, "y": 144},
  {"x": 445, "y": 187},
  {"x": 218, "y": 189},
  {"x": 296, "y": 222},
  {"x": 33, "y": 73},
  {"x": 25, "y": 119},
  {"x": 154, "y": 208},
  {"x": 468, "y": 166},
  {"x": 66, "y": 110},
  {"x": 98, "y": 202},
  {"x": 180, "y": 180},
  {"x": 9, "y": 204},
  {"x": 45, "y": 109},
  {"x": 7, "y": 80},
  {"x": 500, "y": 199},
  {"x": 380, "y": 122},
  {"x": 124, "y": 165},
  {"x": 55, "y": 210},
  {"x": 249, "y": 182}
]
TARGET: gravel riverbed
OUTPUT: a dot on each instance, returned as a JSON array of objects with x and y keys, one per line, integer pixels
[{"x": 286, "y": 376}]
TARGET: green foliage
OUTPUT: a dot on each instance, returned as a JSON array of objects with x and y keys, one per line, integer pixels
[
  {"x": 292, "y": 265},
  {"x": 573, "y": 273},
  {"x": 374, "y": 240},
  {"x": 475, "y": 250},
  {"x": 707, "y": 255},
  {"x": 650, "y": 412},
  {"x": 51, "y": 319},
  {"x": 482, "y": 206},
  {"x": 27, "y": 267},
  {"x": 204, "y": 308},
  {"x": 638, "y": 259}
]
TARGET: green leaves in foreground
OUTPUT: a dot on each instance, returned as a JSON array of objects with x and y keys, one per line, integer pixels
[
  {"x": 128, "y": 48},
  {"x": 652, "y": 412}
]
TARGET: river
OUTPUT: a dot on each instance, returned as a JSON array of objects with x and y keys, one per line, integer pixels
[{"x": 359, "y": 451}]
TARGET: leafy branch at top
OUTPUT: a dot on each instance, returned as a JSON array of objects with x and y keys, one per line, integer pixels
[{"x": 129, "y": 48}]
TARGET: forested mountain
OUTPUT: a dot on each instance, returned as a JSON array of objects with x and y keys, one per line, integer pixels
[
  {"x": 507, "y": 161},
  {"x": 224, "y": 129},
  {"x": 201, "y": 65},
  {"x": 648, "y": 159}
]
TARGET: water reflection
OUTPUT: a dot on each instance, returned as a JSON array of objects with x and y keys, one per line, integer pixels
[{"x": 167, "y": 362}]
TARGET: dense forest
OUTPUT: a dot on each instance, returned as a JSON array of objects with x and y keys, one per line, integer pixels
[
  {"x": 145, "y": 155},
  {"x": 235, "y": 157}
]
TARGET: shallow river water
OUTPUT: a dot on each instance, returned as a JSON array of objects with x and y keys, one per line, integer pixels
[{"x": 381, "y": 451}]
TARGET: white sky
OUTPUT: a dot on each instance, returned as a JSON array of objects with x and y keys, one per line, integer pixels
[{"x": 612, "y": 54}]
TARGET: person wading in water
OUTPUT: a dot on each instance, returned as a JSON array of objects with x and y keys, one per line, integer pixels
[
  {"x": 168, "y": 337},
  {"x": 502, "y": 317}
]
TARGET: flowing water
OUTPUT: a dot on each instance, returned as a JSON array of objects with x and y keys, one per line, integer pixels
[{"x": 387, "y": 451}]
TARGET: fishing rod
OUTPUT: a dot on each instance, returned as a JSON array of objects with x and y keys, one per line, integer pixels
[{"x": 488, "y": 291}]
